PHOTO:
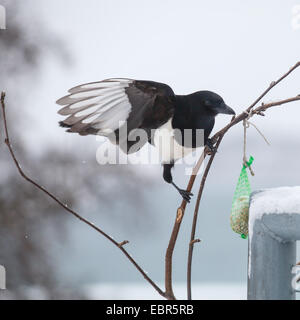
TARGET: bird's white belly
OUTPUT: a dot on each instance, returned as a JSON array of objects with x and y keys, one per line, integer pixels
[{"x": 169, "y": 149}]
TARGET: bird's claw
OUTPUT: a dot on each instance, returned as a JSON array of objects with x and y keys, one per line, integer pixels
[
  {"x": 210, "y": 146},
  {"x": 186, "y": 195}
]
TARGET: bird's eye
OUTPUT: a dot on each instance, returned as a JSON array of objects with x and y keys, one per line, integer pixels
[{"x": 207, "y": 103}]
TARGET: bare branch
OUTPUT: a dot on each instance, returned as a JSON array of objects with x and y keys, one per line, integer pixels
[
  {"x": 192, "y": 239},
  {"x": 244, "y": 115},
  {"x": 195, "y": 241},
  {"x": 121, "y": 244},
  {"x": 273, "y": 84},
  {"x": 217, "y": 138},
  {"x": 249, "y": 112},
  {"x": 74, "y": 213}
]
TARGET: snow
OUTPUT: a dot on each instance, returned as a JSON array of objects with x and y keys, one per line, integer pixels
[
  {"x": 143, "y": 291},
  {"x": 272, "y": 201},
  {"x": 276, "y": 200}
]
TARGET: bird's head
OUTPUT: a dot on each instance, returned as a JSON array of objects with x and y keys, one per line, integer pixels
[{"x": 213, "y": 103}]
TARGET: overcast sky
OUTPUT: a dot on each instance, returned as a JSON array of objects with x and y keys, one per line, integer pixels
[{"x": 235, "y": 48}]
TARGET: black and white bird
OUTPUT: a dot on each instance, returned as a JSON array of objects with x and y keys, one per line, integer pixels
[{"x": 102, "y": 108}]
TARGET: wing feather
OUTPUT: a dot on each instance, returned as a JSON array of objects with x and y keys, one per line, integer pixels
[{"x": 102, "y": 107}]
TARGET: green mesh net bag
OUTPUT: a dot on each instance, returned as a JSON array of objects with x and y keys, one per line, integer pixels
[{"x": 240, "y": 204}]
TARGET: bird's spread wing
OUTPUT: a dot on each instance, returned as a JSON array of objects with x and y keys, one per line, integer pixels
[{"x": 105, "y": 107}]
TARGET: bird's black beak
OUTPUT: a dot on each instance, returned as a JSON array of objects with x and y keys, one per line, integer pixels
[{"x": 226, "y": 109}]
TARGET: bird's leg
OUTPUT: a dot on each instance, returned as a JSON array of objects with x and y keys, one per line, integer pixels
[
  {"x": 210, "y": 144},
  {"x": 186, "y": 195}
]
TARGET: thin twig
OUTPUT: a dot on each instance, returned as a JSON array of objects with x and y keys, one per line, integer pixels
[
  {"x": 179, "y": 216},
  {"x": 257, "y": 111},
  {"x": 192, "y": 239},
  {"x": 218, "y": 137},
  {"x": 272, "y": 85},
  {"x": 74, "y": 213}
]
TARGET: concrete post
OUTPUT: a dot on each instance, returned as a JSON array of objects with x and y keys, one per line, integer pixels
[{"x": 274, "y": 228}]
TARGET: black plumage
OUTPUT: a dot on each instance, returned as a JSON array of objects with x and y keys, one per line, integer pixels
[{"x": 101, "y": 108}]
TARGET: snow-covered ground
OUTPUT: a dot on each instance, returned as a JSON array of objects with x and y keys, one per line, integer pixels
[{"x": 141, "y": 291}]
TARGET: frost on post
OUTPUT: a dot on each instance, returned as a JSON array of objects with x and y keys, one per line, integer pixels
[
  {"x": 2, "y": 17},
  {"x": 274, "y": 228},
  {"x": 2, "y": 278}
]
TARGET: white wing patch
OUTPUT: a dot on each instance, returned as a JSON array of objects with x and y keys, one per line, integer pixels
[
  {"x": 169, "y": 149},
  {"x": 100, "y": 106},
  {"x": 108, "y": 83}
]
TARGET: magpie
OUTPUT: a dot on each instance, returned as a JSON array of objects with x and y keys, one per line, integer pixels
[{"x": 103, "y": 107}]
